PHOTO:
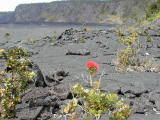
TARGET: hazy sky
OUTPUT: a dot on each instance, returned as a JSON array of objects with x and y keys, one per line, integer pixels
[{"x": 9, "y": 5}]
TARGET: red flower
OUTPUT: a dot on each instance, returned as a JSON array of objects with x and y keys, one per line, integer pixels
[{"x": 92, "y": 64}]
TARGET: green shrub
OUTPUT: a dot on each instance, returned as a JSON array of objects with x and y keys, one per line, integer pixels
[
  {"x": 153, "y": 10},
  {"x": 128, "y": 56},
  {"x": 13, "y": 79},
  {"x": 96, "y": 103}
]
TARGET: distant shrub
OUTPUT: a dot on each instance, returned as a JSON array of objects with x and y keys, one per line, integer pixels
[
  {"x": 129, "y": 58},
  {"x": 53, "y": 37},
  {"x": 33, "y": 41},
  {"x": 153, "y": 11},
  {"x": 148, "y": 37},
  {"x": 13, "y": 79},
  {"x": 25, "y": 42},
  {"x": 81, "y": 39},
  {"x": 87, "y": 29},
  {"x": 119, "y": 31},
  {"x": 7, "y": 34}
]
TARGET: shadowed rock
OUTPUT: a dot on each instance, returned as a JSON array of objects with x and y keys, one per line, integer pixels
[
  {"x": 29, "y": 113},
  {"x": 35, "y": 100},
  {"x": 39, "y": 79},
  {"x": 154, "y": 97},
  {"x": 54, "y": 77},
  {"x": 82, "y": 52},
  {"x": 40, "y": 92}
]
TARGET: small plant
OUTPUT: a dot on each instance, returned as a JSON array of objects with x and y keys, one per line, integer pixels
[
  {"x": 128, "y": 56},
  {"x": 94, "y": 102},
  {"x": 33, "y": 41},
  {"x": 148, "y": 37},
  {"x": 25, "y": 42},
  {"x": 7, "y": 34},
  {"x": 87, "y": 29},
  {"x": 53, "y": 37},
  {"x": 13, "y": 79},
  {"x": 81, "y": 39},
  {"x": 119, "y": 31}
]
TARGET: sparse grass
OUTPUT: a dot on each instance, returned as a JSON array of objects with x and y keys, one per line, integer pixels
[
  {"x": 25, "y": 42},
  {"x": 81, "y": 39},
  {"x": 28, "y": 41},
  {"x": 119, "y": 31},
  {"x": 151, "y": 18},
  {"x": 53, "y": 37},
  {"x": 87, "y": 29},
  {"x": 155, "y": 16},
  {"x": 33, "y": 41},
  {"x": 109, "y": 18}
]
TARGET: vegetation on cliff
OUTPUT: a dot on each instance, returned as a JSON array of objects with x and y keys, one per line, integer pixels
[{"x": 153, "y": 11}]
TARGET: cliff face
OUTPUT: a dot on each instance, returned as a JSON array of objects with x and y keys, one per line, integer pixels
[
  {"x": 92, "y": 12},
  {"x": 78, "y": 11},
  {"x": 29, "y": 13},
  {"x": 6, "y": 17}
]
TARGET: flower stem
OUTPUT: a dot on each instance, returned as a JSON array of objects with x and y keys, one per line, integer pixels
[
  {"x": 100, "y": 81},
  {"x": 91, "y": 80}
]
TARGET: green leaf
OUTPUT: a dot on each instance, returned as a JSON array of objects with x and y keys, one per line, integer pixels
[
  {"x": 112, "y": 98},
  {"x": 111, "y": 118}
]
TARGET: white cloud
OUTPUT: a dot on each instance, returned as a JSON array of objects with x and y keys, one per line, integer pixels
[{"x": 10, "y": 5}]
